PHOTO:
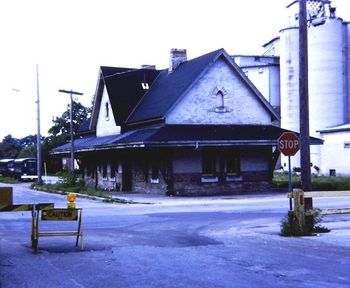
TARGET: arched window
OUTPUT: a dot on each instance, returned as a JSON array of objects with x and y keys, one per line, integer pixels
[{"x": 220, "y": 103}]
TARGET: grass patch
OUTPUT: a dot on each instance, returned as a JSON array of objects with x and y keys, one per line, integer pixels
[
  {"x": 8, "y": 180},
  {"x": 319, "y": 183},
  {"x": 79, "y": 187}
]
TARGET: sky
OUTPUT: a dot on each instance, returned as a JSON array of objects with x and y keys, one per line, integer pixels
[{"x": 69, "y": 39}]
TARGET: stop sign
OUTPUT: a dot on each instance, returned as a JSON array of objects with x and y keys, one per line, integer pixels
[{"x": 288, "y": 143}]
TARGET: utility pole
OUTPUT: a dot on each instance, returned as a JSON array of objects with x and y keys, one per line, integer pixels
[
  {"x": 304, "y": 103},
  {"x": 38, "y": 135},
  {"x": 71, "y": 93}
]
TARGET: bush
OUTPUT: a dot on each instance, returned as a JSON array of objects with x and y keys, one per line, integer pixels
[
  {"x": 319, "y": 183},
  {"x": 290, "y": 224}
]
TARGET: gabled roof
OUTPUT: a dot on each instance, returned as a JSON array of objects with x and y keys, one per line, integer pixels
[
  {"x": 124, "y": 87},
  {"x": 169, "y": 88}
]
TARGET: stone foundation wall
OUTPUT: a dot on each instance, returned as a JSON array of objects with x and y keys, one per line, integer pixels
[
  {"x": 191, "y": 185},
  {"x": 142, "y": 183}
]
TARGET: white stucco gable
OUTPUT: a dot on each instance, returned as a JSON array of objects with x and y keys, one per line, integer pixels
[
  {"x": 105, "y": 121},
  {"x": 220, "y": 96}
]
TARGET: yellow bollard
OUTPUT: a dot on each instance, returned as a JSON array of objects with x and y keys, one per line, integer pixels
[
  {"x": 71, "y": 198},
  {"x": 299, "y": 207}
]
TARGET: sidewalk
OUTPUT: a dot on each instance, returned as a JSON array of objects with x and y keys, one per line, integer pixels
[{"x": 144, "y": 198}]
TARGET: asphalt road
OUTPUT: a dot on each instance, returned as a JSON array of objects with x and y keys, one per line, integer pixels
[{"x": 175, "y": 242}]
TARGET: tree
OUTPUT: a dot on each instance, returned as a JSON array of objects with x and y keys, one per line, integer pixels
[
  {"x": 62, "y": 124},
  {"x": 9, "y": 147},
  {"x": 60, "y": 133}
]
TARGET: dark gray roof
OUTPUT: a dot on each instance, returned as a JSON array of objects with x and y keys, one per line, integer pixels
[
  {"x": 168, "y": 88},
  {"x": 184, "y": 135},
  {"x": 124, "y": 87}
]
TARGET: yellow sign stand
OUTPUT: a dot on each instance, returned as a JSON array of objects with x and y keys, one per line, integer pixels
[{"x": 57, "y": 214}]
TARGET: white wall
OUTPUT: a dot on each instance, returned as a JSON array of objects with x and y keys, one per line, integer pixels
[
  {"x": 198, "y": 106},
  {"x": 334, "y": 155},
  {"x": 106, "y": 126}
]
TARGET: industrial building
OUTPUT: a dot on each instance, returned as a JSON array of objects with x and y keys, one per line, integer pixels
[{"x": 276, "y": 75}]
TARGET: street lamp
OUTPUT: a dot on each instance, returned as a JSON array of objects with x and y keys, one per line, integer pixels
[{"x": 71, "y": 93}]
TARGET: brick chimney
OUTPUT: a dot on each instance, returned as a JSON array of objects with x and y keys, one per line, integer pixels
[{"x": 177, "y": 56}]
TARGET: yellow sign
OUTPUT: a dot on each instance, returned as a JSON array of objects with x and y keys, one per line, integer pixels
[
  {"x": 6, "y": 197},
  {"x": 59, "y": 215}
]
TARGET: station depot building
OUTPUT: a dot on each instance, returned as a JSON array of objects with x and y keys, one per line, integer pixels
[{"x": 199, "y": 127}]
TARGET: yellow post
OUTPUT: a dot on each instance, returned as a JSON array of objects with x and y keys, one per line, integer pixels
[
  {"x": 71, "y": 198},
  {"x": 299, "y": 207}
]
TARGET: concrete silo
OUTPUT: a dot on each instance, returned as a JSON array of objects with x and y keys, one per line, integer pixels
[{"x": 328, "y": 100}]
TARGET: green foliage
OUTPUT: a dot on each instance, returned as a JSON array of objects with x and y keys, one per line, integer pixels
[
  {"x": 8, "y": 180},
  {"x": 280, "y": 180},
  {"x": 28, "y": 152},
  {"x": 290, "y": 224},
  {"x": 69, "y": 178},
  {"x": 13, "y": 148},
  {"x": 9, "y": 147},
  {"x": 319, "y": 183},
  {"x": 79, "y": 187},
  {"x": 62, "y": 124}
]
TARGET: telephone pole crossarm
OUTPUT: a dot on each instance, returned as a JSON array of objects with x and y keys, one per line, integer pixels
[{"x": 71, "y": 93}]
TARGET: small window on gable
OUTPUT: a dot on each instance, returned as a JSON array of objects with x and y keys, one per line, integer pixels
[
  {"x": 347, "y": 144},
  {"x": 220, "y": 102},
  {"x": 107, "y": 111},
  {"x": 219, "y": 95},
  {"x": 145, "y": 86}
]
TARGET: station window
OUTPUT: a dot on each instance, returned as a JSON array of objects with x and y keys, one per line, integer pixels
[
  {"x": 208, "y": 162},
  {"x": 113, "y": 170},
  {"x": 347, "y": 144},
  {"x": 155, "y": 173},
  {"x": 104, "y": 170},
  {"x": 233, "y": 164},
  {"x": 209, "y": 174}
]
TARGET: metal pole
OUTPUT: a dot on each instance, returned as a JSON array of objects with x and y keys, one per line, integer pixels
[
  {"x": 290, "y": 187},
  {"x": 71, "y": 93},
  {"x": 71, "y": 132},
  {"x": 38, "y": 136},
  {"x": 304, "y": 103}
]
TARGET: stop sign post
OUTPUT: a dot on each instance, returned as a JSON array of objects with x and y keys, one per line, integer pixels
[{"x": 288, "y": 145}]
